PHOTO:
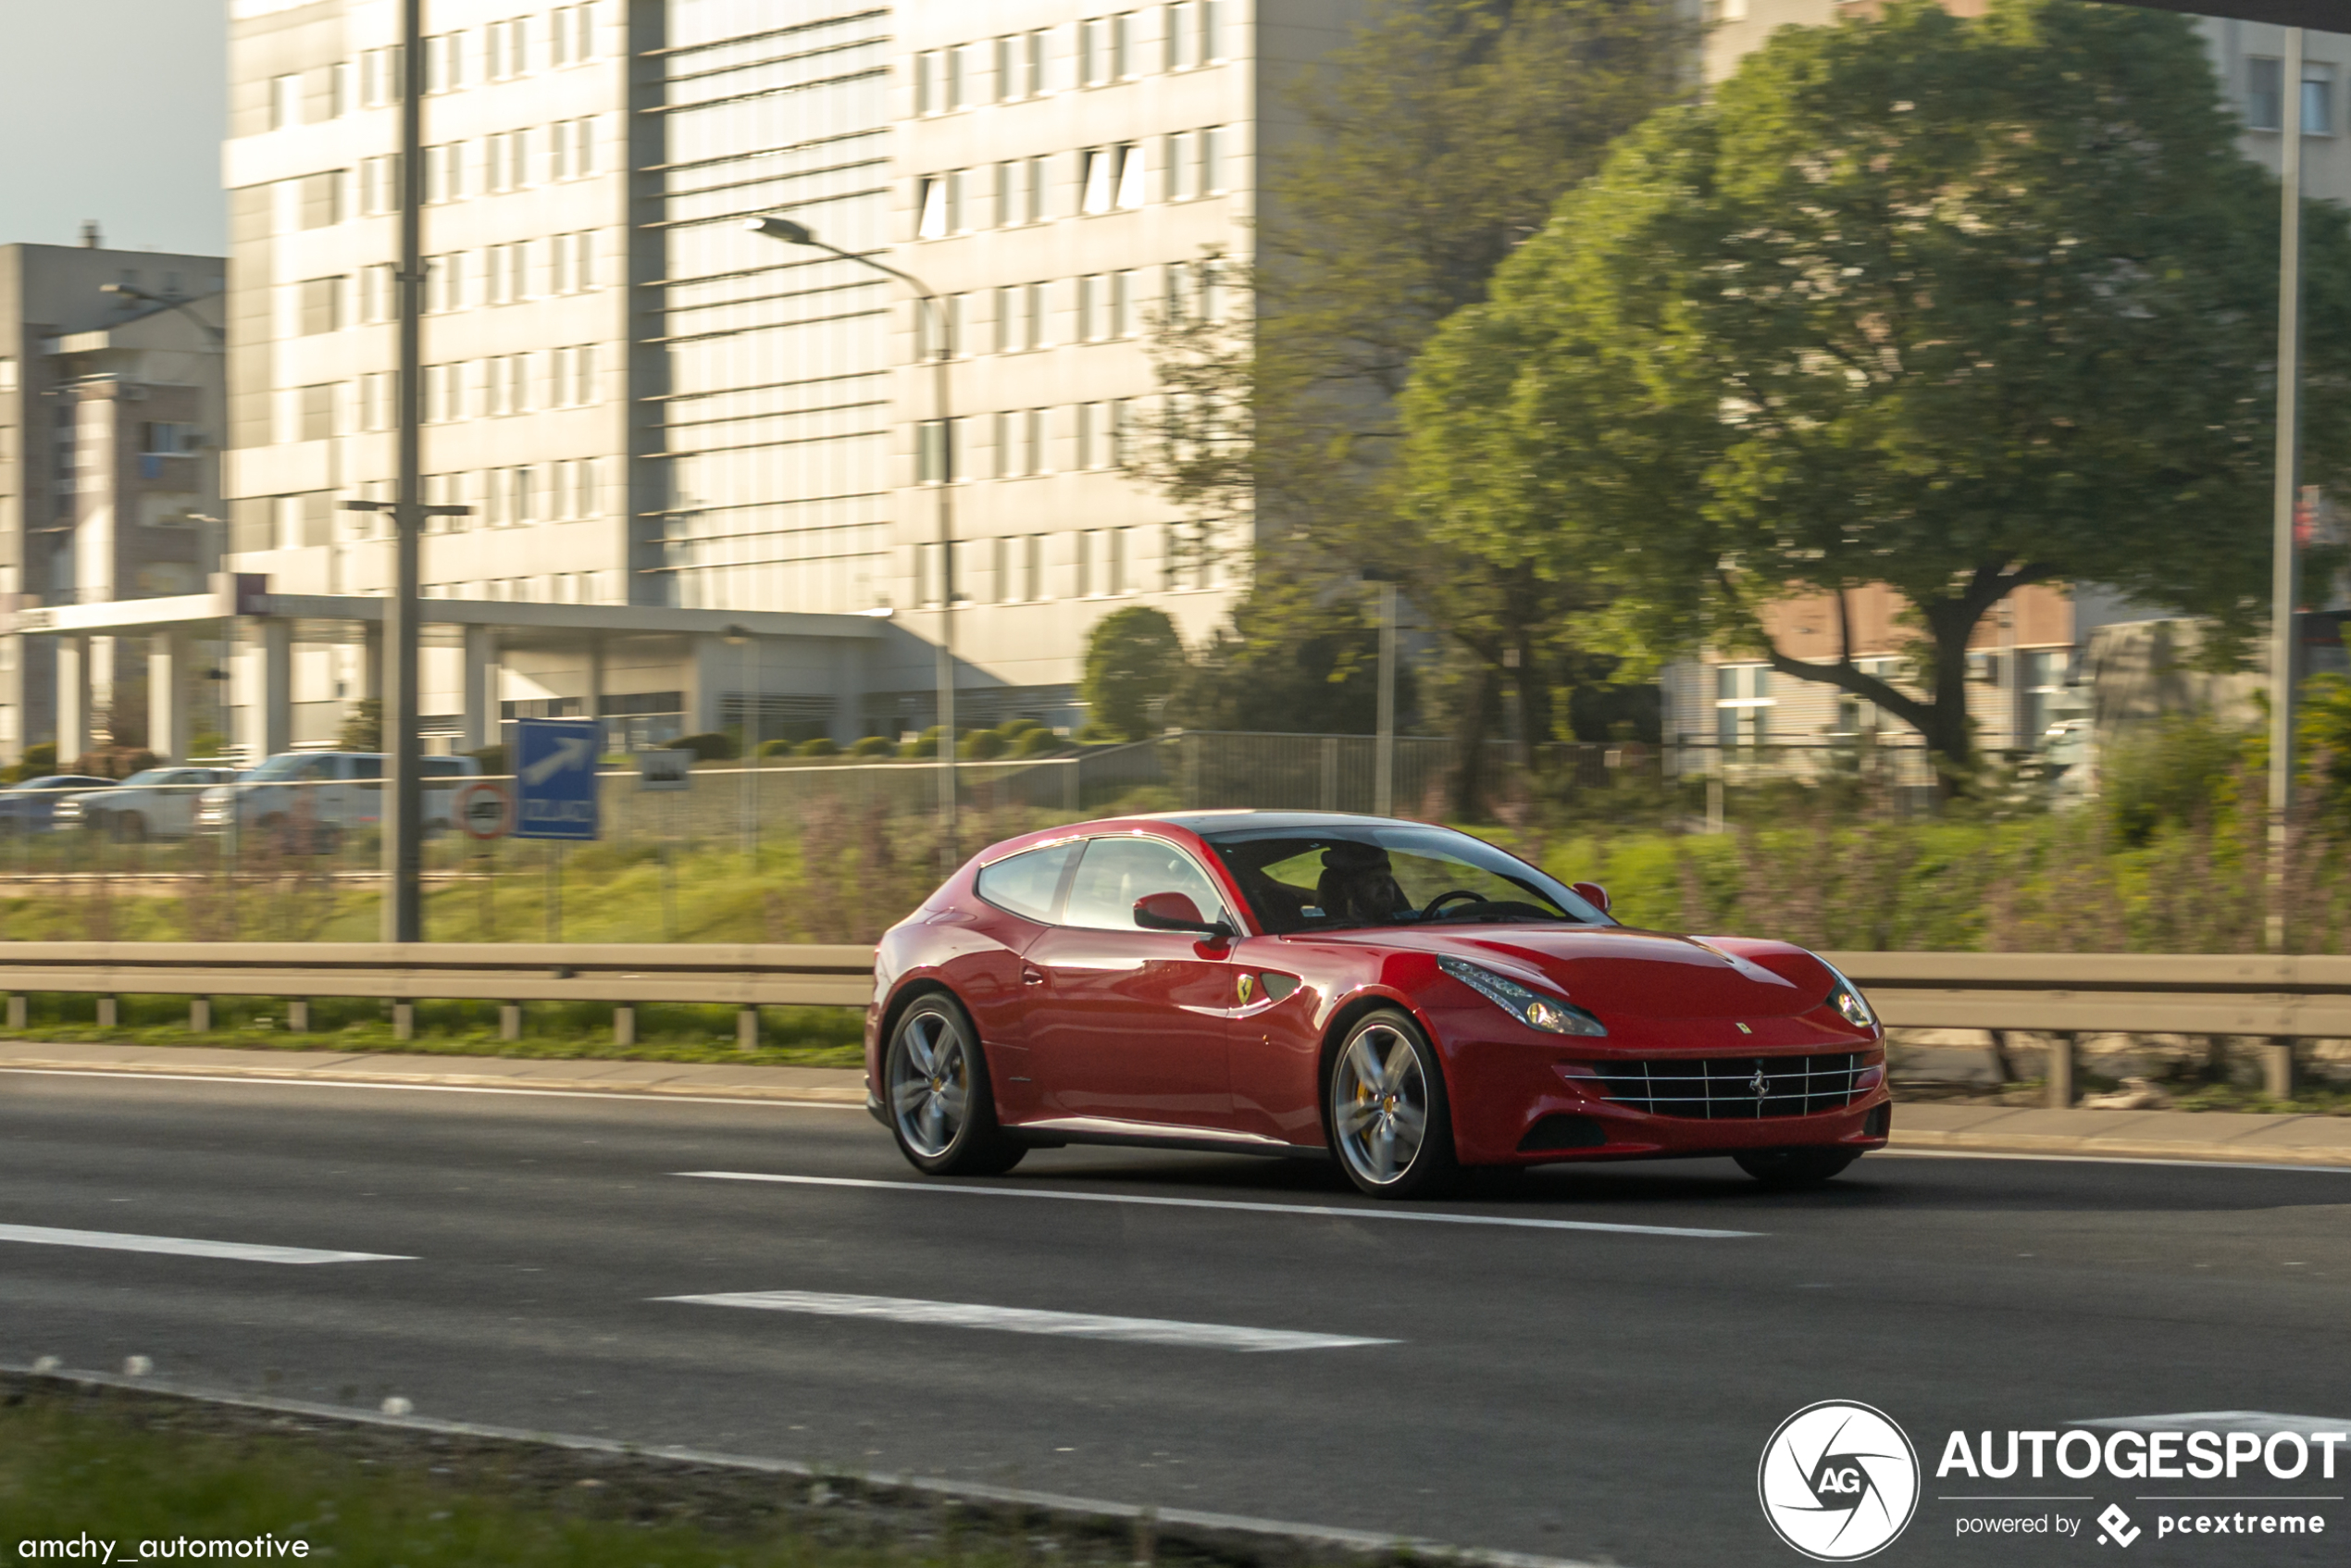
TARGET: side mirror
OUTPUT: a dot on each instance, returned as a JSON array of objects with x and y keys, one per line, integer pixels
[
  {"x": 1593, "y": 894},
  {"x": 1176, "y": 911}
]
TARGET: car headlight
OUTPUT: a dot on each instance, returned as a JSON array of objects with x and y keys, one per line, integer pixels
[
  {"x": 1548, "y": 1013},
  {"x": 1847, "y": 1001}
]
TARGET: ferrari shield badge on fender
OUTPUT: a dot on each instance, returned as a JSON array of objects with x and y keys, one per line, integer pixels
[{"x": 1248, "y": 984}]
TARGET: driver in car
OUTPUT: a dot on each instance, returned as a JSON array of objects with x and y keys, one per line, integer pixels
[{"x": 1359, "y": 886}]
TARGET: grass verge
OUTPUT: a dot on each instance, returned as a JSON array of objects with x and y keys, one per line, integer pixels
[
  {"x": 790, "y": 1037},
  {"x": 132, "y": 1467}
]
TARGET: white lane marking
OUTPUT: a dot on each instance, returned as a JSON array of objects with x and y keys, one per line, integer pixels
[
  {"x": 186, "y": 1247},
  {"x": 2101, "y": 1160},
  {"x": 2260, "y": 1420},
  {"x": 1324, "y": 1210},
  {"x": 1029, "y": 1319},
  {"x": 1361, "y": 1540},
  {"x": 638, "y": 1096}
]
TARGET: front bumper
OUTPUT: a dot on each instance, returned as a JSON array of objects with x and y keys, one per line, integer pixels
[{"x": 1520, "y": 1108}]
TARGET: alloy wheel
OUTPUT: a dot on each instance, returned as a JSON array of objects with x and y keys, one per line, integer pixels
[
  {"x": 930, "y": 1081},
  {"x": 1379, "y": 1103}
]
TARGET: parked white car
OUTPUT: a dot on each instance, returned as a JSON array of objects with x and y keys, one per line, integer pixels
[
  {"x": 158, "y": 803},
  {"x": 306, "y": 802}
]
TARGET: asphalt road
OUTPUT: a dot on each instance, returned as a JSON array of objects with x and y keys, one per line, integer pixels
[{"x": 1588, "y": 1394}]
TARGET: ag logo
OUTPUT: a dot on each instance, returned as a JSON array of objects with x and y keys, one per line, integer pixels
[{"x": 1839, "y": 1481}]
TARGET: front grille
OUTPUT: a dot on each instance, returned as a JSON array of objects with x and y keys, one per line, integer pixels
[{"x": 1733, "y": 1088}]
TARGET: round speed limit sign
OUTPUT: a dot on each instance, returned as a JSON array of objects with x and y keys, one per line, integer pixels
[{"x": 485, "y": 810}]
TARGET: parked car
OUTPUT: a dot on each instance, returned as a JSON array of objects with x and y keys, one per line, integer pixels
[
  {"x": 1401, "y": 999},
  {"x": 31, "y": 805},
  {"x": 158, "y": 803},
  {"x": 304, "y": 801}
]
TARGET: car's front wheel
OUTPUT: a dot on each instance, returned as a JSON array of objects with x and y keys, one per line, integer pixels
[
  {"x": 1796, "y": 1167},
  {"x": 1388, "y": 1121},
  {"x": 935, "y": 1083}
]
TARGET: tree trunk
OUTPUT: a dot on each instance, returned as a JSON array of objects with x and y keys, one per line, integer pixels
[
  {"x": 1950, "y": 733},
  {"x": 1477, "y": 722},
  {"x": 1534, "y": 706}
]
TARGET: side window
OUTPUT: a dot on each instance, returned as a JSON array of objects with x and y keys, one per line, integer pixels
[
  {"x": 1025, "y": 883},
  {"x": 363, "y": 767},
  {"x": 1116, "y": 872}
]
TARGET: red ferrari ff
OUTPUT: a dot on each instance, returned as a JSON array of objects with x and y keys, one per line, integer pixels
[{"x": 1405, "y": 998}]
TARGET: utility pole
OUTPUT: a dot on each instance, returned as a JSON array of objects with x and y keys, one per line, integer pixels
[
  {"x": 2286, "y": 495},
  {"x": 1383, "y": 748}
]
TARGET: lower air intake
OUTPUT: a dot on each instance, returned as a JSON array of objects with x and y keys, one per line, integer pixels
[{"x": 1733, "y": 1088}]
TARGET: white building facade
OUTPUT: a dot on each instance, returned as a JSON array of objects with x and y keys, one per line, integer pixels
[{"x": 643, "y": 404}]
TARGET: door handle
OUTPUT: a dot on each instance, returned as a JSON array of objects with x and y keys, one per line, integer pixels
[{"x": 1031, "y": 975}]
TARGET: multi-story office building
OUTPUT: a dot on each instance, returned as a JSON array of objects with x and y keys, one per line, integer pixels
[
  {"x": 110, "y": 418},
  {"x": 703, "y": 468}
]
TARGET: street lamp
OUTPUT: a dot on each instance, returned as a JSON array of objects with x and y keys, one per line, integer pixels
[
  {"x": 739, "y": 640},
  {"x": 792, "y": 234}
]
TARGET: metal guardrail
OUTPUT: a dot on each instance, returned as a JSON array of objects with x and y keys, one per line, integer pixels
[
  {"x": 2279, "y": 997},
  {"x": 746, "y": 977}
]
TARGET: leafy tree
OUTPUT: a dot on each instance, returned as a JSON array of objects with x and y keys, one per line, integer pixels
[
  {"x": 1298, "y": 657},
  {"x": 1955, "y": 306},
  {"x": 1134, "y": 659},
  {"x": 1435, "y": 142},
  {"x": 363, "y": 727}
]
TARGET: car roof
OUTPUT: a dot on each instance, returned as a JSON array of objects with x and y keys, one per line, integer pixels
[{"x": 1208, "y": 821}]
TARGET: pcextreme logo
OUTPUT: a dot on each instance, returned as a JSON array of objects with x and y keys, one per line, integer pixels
[{"x": 1839, "y": 1481}]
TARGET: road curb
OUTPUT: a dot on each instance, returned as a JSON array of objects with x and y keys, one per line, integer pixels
[
  {"x": 809, "y": 1095},
  {"x": 2114, "y": 1149}
]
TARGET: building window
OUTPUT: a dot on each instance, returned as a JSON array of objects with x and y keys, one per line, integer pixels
[
  {"x": 507, "y": 45},
  {"x": 380, "y": 77},
  {"x": 1122, "y": 46},
  {"x": 1742, "y": 704},
  {"x": 445, "y": 173},
  {"x": 2042, "y": 681},
  {"x": 285, "y": 102},
  {"x": 935, "y": 452},
  {"x": 2264, "y": 93},
  {"x": 1180, "y": 34},
  {"x": 1212, "y": 159},
  {"x": 1183, "y": 166},
  {"x": 930, "y": 98},
  {"x": 318, "y": 412},
  {"x": 322, "y": 309},
  {"x": 445, "y": 62},
  {"x": 1094, "y": 51},
  {"x": 2317, "y": 100},
  {"x": 930, "y": 208},
  {"x": 1213, "y": 29},
  {"x": 571, "y": 35},
  {"x": 1097, "y": 180},
  {"x": 1129, "y": 159}
]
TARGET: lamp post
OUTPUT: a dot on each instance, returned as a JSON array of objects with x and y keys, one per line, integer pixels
[
  {"x": 740, "y": 640},
  {"x": 2287, "y": 492},
  {"x": 792, "y": 234}
]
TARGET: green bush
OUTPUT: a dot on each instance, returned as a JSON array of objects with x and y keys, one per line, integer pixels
[
  {"x": 492, "y": 759},
  {"x": 2182, "y": 768},
  {"x": 774, "y": 748},
  {"x": 1038, "y": 742},
  {"x": 981, "y": 745},
  {"x": 38, "y": 759},
  {"x": 922, "y": 745},
  {"x": 874, "y": 746},
  {"x": 714, "y": 746},
  {"x": 822, "y": 746}
]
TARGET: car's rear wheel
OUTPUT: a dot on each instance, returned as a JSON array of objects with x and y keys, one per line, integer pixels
[
  {"x": 130, "y": 828},
  {"x": 934, "y": 1084},
  {"x": 1387, "y": 1116},
  {"x": 1796, "y": 1167}
]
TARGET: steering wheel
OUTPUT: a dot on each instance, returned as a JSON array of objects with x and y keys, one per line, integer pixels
[{"x": 1428, "y": 910}]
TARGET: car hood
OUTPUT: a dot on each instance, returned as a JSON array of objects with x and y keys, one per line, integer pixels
[{"x": 1620, "y": 970}]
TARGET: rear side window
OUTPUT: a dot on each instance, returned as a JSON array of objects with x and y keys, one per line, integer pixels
[
  {"x": 1119, "y": 871},
  {"x": 1026, "y": 883}
]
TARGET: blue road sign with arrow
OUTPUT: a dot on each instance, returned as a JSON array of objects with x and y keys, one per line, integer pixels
[{"x": 556, "y": 777}]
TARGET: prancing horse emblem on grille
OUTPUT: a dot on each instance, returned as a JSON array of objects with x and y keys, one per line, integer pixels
[{"x": 1759, "y": 1086}]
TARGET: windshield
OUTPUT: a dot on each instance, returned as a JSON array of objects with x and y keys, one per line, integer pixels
[
  {"x": 286, "y": 765},
  {"x": 1351, "y": 875},
  {"x": 153, "y": 776}
]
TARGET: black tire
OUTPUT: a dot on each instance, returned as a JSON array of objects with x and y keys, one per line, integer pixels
[
  {"x": 1383, "y": 1106},
  {"x": 935, "y": 1094},
  {"x": 1796, "y": 1167}
]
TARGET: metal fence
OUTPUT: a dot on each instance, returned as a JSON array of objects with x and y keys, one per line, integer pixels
[{"x": 275, "y": 859}]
